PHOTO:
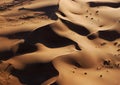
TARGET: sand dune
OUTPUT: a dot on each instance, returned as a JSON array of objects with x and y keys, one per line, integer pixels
[{"x": 59, "y": 42}]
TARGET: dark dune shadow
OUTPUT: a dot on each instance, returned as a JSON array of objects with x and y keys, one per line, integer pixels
[
  {"x": 48, "y": 37},
  {"x": 49, "y": 11},
  {"x": 36, "y": 74},
  {"x": 110, "y": 4},
  {"x": 20, "y": 35},
  {"x": 109, "y": 35},
  {"x": 6, "y": 55},
  {"x": 106, "y": 35},
  {"x": 76, "y": 28},
  {"x": 26, "y": 48},
  {"x": 44, "y": 35}
]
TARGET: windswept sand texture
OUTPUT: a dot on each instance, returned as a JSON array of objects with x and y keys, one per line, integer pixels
[{"x": 59, "y": 42}]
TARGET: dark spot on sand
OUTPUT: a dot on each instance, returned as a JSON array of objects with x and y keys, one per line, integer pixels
[
  {"x": 97, "y": 11},
  {"x": 115, "y": 55},
  {"x": 91, "y": 18},
  {"x": 106, "y": 62},
  {"x": 118, "y": 50},
  {"x": 75, "y": 67},
  {"x": 86, "y": 16},
  {"x": 73, "y": 71},
  {"x": 118, "y": 21},
  {"x": 107, "y": 71},
  {"x": 87, "y": 11},
  {"x": 90, "y": 13},
  {"x": 101, "y": 76},
  {"x": 115, "y": 43},
  {"x": 102, "y": 44},
  {"x": 85, "y": 73},
  {"x": 101, "y": 25}
]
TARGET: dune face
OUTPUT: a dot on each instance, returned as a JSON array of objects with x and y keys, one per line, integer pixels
[{"x": 59, "y": 42}]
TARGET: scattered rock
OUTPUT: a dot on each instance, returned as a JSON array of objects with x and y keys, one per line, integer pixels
[
  {"x": 101, "y": 76},
  {"x": 115, "y": 43},
  {"x": 97, "y": 11},
  {"x": 73, "y": 71},
  {"x": 102, "y": 44},
  {"x": 101, "y": 26},
  {"x": 106, "y": 62},
  {"x": 118, "y": 50},
  {"x": 107, "y": 71},
  {"x": 85, "y": 73}
]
